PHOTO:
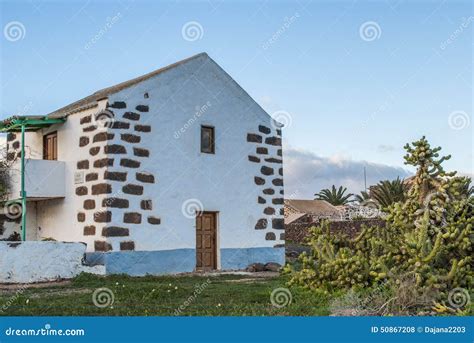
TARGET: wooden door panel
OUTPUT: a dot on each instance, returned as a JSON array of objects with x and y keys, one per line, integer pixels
[{"x": 206, "y": 234}]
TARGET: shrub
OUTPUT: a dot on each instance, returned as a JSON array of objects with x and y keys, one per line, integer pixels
[{"x": 428, "y": 237}]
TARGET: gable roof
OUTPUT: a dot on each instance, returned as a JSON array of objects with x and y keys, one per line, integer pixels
[
  {"x": 104, "y": 93},
  {"x": 294, "y": 216},
  {"x": 316, "y": 207}
]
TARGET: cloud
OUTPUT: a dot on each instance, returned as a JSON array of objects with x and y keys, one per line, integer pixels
[
  {"x": 385, "y": 148},
  {"x": 307, "y": 173}
]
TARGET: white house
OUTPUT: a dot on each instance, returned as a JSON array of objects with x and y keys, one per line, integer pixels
[{"x": 176, "y": 170}]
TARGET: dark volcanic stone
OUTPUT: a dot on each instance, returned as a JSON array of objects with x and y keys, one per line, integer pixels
[
  {"x": 102, "y": 136},
  {"x": 154, "y": 220},
  {"x": 118, "y": 104},
  {"x": 115, "y": 176},
  {"x": 82, "y": 190},
  {"x": 145, "y": 177},
  {"x": 102, "y": 246},
  {"x": 261, "y": 224},
  {"x": 94, "y": 150},
  {"x": 270, "y": 236},
  {"x": 92, "y": 177},
  {"x": 278, "y": 224},
  {"x": 130, "y": 138},
  {"x": 103, "y": 216},
  {"x": 133, "y": 189},
  {"x": 266, "y": 170},
  {"x": 143, "y": 128},
  {"x": 254, "y": 138},
  {"x": 273, "y": 141},
  {"x": 104, "y": 162},
  {"x": 89, "y": 204},
  {"x": 142, "y": 108},
  {"x": 114, "y": 231},
  {"x": 115, "y": 149},
  {"x": 262, "y": 151},
  {"x": 89, "y": 230},
  {"x": 101, "y": 188},
  {"x": 131, "y": 116},
  {"x": 141, "y": 152},
  {"x": 128, "y": 245},
  {"x": 115, "y": 202},
  {"x": 126, "y": 162},
  {"x": 264, "y": 129},
  {"x": 132, "y": 217},
  {"x": 84, "y": 164}
]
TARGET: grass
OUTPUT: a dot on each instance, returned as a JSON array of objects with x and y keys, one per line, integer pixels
[{"x": 224, "y": 295}]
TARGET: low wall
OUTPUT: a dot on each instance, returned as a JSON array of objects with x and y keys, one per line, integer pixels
[
  {"x": 299, "y": 230},
  {"x": 33, "y": 261}
]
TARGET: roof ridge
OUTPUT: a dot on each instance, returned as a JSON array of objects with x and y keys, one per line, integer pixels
[{"x": 104, "y": 92}]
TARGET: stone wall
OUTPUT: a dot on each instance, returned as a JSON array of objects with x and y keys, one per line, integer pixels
[{"x": 299, "y": 229}]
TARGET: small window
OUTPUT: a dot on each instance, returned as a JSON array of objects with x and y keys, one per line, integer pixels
[
  {"x": 50, "y": 146},
  {"x": 207, "y": 140}
]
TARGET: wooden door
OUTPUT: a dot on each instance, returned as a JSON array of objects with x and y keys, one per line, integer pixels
[
  {"x": 206, "y": 236},
  {"x": 50, "y": 146}
]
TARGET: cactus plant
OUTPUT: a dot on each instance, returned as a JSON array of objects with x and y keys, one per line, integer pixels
[{"x": 429, "y": 234}]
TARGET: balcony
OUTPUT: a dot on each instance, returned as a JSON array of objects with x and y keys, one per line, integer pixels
[{"x": 44, "y": 180}]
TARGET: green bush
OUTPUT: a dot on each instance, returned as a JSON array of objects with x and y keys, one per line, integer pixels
[{"x": 428, "y": 236}]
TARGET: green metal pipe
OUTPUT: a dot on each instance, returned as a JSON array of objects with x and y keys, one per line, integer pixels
[{"x": 23, "y": 191}]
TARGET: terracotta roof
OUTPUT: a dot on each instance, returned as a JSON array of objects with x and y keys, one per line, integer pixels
[
  {"x": 316, "y": 207},
  {"x": 104, "y": 93}
]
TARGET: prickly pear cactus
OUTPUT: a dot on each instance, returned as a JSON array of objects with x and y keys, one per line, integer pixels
[{"x": 429, "y": 235}]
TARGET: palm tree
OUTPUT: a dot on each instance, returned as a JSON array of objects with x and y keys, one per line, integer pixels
[
  {"x": 388, "y": 192},
  {"x": 334, "y": 196},
  {"x": 362, "y": 198},
  {"x": 467, "y": 189}
]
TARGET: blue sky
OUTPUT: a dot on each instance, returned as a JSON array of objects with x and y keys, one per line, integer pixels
[{"x": 352, "y": 100}]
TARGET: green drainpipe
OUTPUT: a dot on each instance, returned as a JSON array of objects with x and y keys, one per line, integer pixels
[{"x": 23, "y": 191}]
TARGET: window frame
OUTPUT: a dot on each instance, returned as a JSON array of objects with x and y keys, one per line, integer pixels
[
  {"x": 54, "y": 156},
  {"x": 212, "y": 130}
]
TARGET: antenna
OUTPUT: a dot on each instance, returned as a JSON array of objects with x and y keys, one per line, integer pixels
[{"x": 365, "y": 179}]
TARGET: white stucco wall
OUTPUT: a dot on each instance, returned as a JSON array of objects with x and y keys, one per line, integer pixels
[
  {"x": 180, "y": 99},
  {"x": 56, "y": 218},
  {"x": 223, "y": 181},
  {"x": 28, "y": 262}
]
